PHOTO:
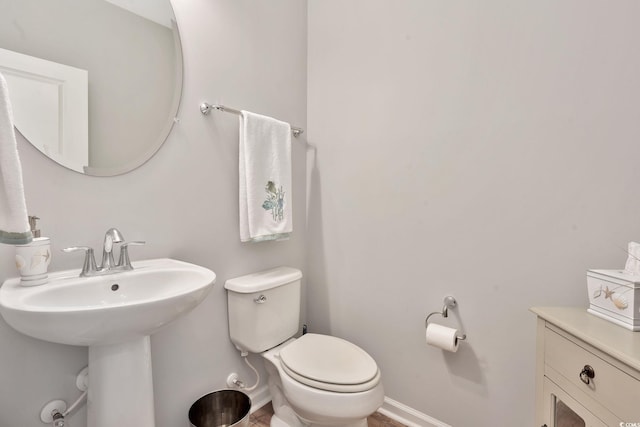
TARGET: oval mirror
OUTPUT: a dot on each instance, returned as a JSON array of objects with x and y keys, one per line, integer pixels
[{"x": 95, "y": 84}]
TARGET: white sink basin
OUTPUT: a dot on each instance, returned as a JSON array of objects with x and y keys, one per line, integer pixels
[
  {"x": 105, "y": 309},
  {"x": 113, "y": 315}
]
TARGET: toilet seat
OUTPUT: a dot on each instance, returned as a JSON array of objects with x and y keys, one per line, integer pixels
[{"x": 329, "y": 363}]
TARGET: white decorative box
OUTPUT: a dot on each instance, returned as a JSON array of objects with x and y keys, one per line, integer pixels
[{"x": 614, "y": 295}]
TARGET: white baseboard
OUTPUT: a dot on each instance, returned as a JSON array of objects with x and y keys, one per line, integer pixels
[
  {"x": 408, "y": 416},
  {"x": 259, "y": 397}
]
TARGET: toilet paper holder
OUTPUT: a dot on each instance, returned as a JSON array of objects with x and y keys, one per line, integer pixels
[{"x": 449, "y": 303}]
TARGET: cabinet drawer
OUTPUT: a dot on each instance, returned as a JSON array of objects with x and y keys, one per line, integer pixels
[{"x": 612, "y": 387}]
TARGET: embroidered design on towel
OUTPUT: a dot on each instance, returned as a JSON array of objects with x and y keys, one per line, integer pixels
[{"x": 274, "y": 201}]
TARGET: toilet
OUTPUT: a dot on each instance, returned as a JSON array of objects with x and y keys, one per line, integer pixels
[{"x": 315, "y": 380}]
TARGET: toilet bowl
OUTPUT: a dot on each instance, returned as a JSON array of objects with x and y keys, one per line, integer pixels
[
  {"x": 318, "y": 391},
  {"x": 314, "y": 380}
]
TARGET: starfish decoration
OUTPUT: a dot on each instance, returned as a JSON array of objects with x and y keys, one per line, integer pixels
[{"x": 608, "y": 293}]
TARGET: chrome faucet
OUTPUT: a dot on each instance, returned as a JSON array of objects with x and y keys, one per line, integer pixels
[
  {"x": 108, "y": 265},
  {"x": 112, "y": 236}
]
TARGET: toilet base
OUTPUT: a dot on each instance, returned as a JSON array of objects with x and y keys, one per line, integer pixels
[
  {"x": 361, "y": 423},
  {"x": 277, "y": 422}
]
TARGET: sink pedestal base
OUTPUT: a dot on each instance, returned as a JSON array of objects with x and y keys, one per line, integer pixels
[{"x": 120, "y": 385}]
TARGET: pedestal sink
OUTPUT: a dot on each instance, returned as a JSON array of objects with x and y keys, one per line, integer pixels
[{"x": 114, "y": 315}]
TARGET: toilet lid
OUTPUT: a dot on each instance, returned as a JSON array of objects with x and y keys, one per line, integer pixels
[{"x": 329, "y": 363}]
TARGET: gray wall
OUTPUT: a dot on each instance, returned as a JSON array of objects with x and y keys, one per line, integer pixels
[
  {"x": 487, "y": 150},
  {"x": 184, "y": 202}
]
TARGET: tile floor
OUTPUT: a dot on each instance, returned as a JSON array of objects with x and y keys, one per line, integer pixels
[{"x": 262, "y": 417}]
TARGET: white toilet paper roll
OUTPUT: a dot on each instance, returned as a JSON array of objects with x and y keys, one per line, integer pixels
[{"x": 442, "y": 337}]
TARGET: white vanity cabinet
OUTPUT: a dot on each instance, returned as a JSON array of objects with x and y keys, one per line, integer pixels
[{"x": 587, "y": 370}]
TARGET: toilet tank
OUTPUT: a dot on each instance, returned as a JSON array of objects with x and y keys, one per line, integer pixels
[{"x": 264, "y": 308}]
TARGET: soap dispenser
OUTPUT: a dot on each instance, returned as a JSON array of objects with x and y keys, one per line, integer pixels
[{"x": 33, "y": 259}]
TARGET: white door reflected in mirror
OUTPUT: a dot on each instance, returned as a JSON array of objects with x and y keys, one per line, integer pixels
[{"x": 50, "y": 106}]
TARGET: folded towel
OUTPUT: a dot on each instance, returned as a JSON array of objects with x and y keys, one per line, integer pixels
[
  {"x": 265, "y": 178},
  {"x": 14, "y": 225}
]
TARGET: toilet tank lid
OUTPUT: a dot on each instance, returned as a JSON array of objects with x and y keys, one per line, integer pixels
[{"x": 263, "y": 280}]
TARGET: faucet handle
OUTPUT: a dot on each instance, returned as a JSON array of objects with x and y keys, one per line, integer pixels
[
  {"x": 124, "y": 262},
  {"x": 89, "y": 265}
]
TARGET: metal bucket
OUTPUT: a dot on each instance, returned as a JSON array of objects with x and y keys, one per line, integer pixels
[{"x": 222, "y": 408}]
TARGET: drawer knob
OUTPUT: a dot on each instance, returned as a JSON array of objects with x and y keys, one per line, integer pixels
[{"x": 587, "y": 374}]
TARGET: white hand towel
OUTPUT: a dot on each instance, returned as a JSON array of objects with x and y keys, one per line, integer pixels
[
  {"x": 14, "y": 225},
  {"x": 265, "y": 178}
]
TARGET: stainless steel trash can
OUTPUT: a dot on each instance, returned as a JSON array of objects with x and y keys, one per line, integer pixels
[{"x": 222, "y": 408}]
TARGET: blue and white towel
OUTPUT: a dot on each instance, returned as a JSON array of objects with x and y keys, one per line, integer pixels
[
  {"x": 14, "y": 224},
  {"x": 265, "y": 178}
]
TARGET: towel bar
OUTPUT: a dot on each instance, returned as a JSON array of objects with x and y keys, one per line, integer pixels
[{"x": 205, "y": 108}]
